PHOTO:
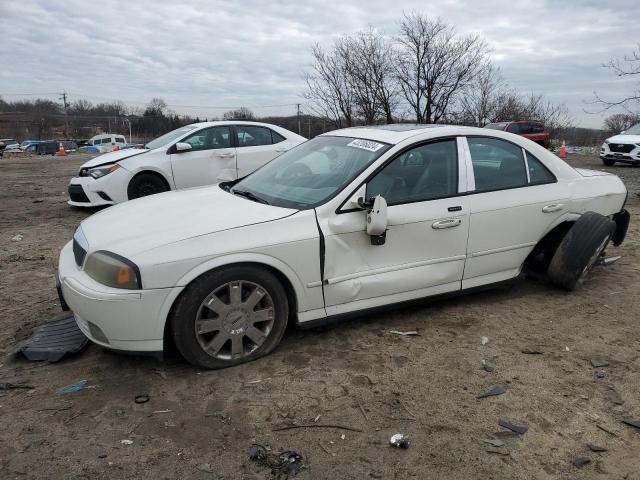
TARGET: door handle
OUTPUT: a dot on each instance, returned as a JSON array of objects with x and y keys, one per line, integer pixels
[
  {"x": 448, "y": 223},
  {"x": 554, "y": 207},
  {"x": 225, "y": 155},
  {"x": 281, "y": 150}
]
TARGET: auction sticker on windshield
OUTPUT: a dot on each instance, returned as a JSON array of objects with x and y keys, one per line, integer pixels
[{"x": 366, "y": 145}]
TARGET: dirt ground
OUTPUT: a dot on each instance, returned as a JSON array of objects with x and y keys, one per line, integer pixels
[{"x": 200, "y": 424}]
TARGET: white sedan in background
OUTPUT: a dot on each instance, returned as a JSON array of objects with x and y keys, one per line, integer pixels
[
  {"x": 190, "y": 156},
  {"x": 352, "y": 220}
]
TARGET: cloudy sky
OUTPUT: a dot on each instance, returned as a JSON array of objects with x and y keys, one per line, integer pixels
[{"x": 207, "y": 54}]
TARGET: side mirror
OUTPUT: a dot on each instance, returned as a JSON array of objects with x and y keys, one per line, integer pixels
[
  {"x": 183, "y": 147},
  {"x": 377, "y": 221}
]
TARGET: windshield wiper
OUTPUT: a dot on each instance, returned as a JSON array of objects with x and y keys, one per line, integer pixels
[{"x": 249, "y": 195}]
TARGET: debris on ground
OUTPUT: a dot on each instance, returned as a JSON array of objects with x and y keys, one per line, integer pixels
[
  {"x": 513, "y": 427},
  {"x": 581, "y": 462},
  {"x": 142, "y": 398},
  {"x": 281, "y": 464},
  {"x": 484, "y": 340},
  {"x": 599, "y": 363},
  {"x": 102, "y": 455},
  {"x": 488, "y": 367},
  {"x": 532, "y": 351},
  {"x": 15, "y": 386},
  {"x": 614, "y": 397},
  {"x": 631, "y": 423},
  {"x": 399, "y": 440},
  {"x": 596, "y": 448},
  {"x": 600, "y": 374},
  {"x": 205, "y": 467},
  {"x": 494, "y": 442},
  {"x": 17, "y": 238},
  {"x": 409, "y": 333},
  {"x": 498, "y": 450},
  {"x": 126, "y": 442},
  {"x": 54, "y": 340},
  {"x": 74, "y": 387},
  {"x": 492, "y": 392}
]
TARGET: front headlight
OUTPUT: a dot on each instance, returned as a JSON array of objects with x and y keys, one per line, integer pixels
[
  {"x": 113, "y": 270},
  {"x": 103, "y": 170}
]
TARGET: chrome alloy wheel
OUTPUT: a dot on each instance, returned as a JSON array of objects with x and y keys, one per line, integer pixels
[{"x": 234, "y": 320}]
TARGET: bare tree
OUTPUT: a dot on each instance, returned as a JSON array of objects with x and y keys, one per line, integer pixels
[
  {"x": 156, "y": 108},
  {"x": 628, "y": 66},
  {"x": 435, "y": 65},
  {"x": 480, "y": 100},
  {"x": 242, "y": 113},
  {"x": 619, "y": 122},
  {"x": 328, "y": 88}
]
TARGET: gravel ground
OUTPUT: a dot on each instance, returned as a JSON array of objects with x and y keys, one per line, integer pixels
[{"x": 357, "y": 374}]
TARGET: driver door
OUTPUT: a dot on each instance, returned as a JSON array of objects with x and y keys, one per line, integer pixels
[
  {"x": 425, "y": 248},
  {"x": 211, "y": 152}
]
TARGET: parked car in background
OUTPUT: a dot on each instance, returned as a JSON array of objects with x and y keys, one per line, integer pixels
[
  {"x": 106, "y": 142},
  {"x": 42, "y": 147},
  {"x": 69, "y": 145},
  {"x": 352, "y": 220},
  {"x": 190, "y": 156},
  {"x": 8, "y": 144},
  {"x": 623, "y": 148},
  {"x": 532, "y": 130},
  {"x": 27, "y": 143}
]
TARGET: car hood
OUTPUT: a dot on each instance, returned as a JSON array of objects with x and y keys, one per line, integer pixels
[
  {"x": 622, "y": 138},
  {"x": 113, "y": 157},
  {"x": 150, "y": 222}
]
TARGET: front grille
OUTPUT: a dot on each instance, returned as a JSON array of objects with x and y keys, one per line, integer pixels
[
  {"x": 621, "y": 147},
  {"x": 79, "y": 253},
  {"x": 76, "y": 194}
]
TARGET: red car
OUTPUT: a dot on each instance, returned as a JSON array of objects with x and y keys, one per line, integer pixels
[{"x": 532, "y": 130}]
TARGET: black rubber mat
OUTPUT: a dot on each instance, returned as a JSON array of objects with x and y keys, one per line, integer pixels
[{"x": 53, "y": 340}]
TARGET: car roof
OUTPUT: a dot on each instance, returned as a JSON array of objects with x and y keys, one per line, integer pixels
[
  {"x": 231, "y": 122},
  {"x": 396, "y": 133}
]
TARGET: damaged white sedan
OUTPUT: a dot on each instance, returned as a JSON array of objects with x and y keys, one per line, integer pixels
[{"x": 350, "y": 221}]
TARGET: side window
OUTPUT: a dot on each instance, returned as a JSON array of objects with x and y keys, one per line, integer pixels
[
  {"x": 425, "y": 172},
  {"x": 276, "y": 137},
  {"x": 513, "y": 128},
  {"x": 497, "y": 164},
  {"x": 538, "y": 173},
  {"x": 250, "y": 136},
  {"x": 209, "y": 139},
  {"x": 526, "y": 128},
  {"x": 120, "y": 139},
  {"x": 537, "y": 128}
]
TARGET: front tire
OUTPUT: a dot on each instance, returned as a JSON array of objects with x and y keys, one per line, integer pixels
[
  {"x": 145, "y": 184},
  {"x": 230, "y": 316},
  {"x": 579, "y": 250}
]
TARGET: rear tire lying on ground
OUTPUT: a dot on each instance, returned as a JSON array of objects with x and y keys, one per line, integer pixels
[
  {"x": 230, "y": 316},
  {"x": 145, "y": 184},
  {"x": 579, "y": 250}
]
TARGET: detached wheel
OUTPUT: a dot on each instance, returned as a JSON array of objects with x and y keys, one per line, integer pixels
[
  {"x": 608, "y": 163},
  {"x": 145, "y": 184},
  {"x": 579, "y": 250},
  {"x": 230, "y": 316}
]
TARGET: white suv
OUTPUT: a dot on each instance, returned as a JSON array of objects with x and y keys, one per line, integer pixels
[
  {"x": 624, "y": 148},
  {"x": 191, "y": 156}
]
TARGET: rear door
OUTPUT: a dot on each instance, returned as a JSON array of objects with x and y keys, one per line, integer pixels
[
  {"x": 516, "y": 201},
  {"x": 257, "y": 145},
  {"x": 211, "y": 152}
]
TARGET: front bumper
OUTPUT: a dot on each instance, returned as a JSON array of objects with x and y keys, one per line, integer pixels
[
  {"x": 107, "y": 190},
  {"x": 630, "y": 154},
  {"x": 131, "y": 320}
]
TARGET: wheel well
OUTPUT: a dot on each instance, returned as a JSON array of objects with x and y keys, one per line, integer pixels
[
  {"x": 538, "y": 260},
  {"x": 149, "y": 172},
  {"x": 292, "y": 299}
]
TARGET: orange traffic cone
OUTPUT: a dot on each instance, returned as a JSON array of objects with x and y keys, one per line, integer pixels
[
  {"x": 563, "y": 150},
  {"x": 61, "y": 152},
  {"x": 115, "y": 149}
]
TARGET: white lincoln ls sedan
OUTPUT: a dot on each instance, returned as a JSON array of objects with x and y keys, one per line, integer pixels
[
  {"x": 190, "y": 156},
  {"x": 352, "y": 220}
]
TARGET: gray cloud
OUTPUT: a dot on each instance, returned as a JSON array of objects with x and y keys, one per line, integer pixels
[{"x": 225, "y": 53}]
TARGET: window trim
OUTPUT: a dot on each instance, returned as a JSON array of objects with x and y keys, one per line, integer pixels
[
  {"x": 340, "y": 211},
  {"x": 529, "y": 184}
]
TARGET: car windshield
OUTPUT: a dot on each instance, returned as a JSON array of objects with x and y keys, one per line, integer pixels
[
  {"x": 496, "y": 126},
  {"x": 310, "y": 173},
  {"x": 635, "y": 130},
  {"x": 167, "y": 138}
]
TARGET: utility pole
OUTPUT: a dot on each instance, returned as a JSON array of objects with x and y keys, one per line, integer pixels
[
  {"x": 63, "y": 97},
  {"x": 299, "y": 128}
]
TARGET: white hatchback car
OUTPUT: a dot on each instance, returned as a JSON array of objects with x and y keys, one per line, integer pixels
[
  {"x": 193, "y": 155},
  {"x": 352, "y": 220}
]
